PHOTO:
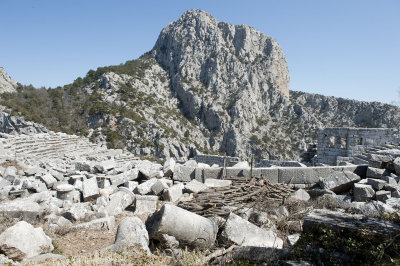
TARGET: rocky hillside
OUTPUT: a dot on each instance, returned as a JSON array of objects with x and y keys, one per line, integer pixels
[
  {"x": 206, "y": 86},
  {"x": 7, "y": 84}
]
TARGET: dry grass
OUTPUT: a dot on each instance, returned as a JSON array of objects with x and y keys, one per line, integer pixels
[{"x": 131, "y": 256}]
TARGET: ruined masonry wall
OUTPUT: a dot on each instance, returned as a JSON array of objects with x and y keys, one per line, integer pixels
[
  {"x": 349, "y": 142},
  {"x": 215, "y": 159}
]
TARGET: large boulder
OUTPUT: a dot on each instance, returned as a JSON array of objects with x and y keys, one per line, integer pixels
[
  {"x": 244, "y": 233},
  {"x": 23, "y": 241},
  {"x": 188, "y": 228}
]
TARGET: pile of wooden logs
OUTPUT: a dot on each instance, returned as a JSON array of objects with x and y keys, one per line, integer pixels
[{"x": 241, "y": 194}]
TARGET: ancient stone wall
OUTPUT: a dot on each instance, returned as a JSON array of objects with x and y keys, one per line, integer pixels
[
  {"x": 349, "y": 142},
  {"x": 215, "y": 159}
]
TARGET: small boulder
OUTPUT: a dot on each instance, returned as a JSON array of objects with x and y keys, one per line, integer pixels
[
  {"x": 131, "y": 232},
  {"x": 301, "y": 194}
]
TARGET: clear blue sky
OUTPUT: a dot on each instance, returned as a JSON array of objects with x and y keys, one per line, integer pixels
[{"x": 347, "y": 48}]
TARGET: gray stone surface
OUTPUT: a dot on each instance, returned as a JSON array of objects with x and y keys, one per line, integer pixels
[
  {"x": 131, "y": 232},
  {"x": 174, "y": 193},
  {"x": 90, "y": 189},
  {"x": 7, "y": 84},
  {"x": 22, "y": 241},
  {"x": 169, "y": 167},
  {"x": 23, "y": 208},
  {"x": 159, "y": 186},
  {"x": 48, "y": 179},
  {"x": 217, "y": 183},
  {"x": 301, "y": 194},
  {"x": 383, "y": 195},
  {"x": 145, "y": 188},
  {"x": 106, "y": 223},
  {"x": 195, "y": 186},
  {"x": 339, "y": 220},
  {"x": 375, "y": 172},
  {"x": 363, "y": 192},
  {"x": 104, "y": 166},
  {"x": 377, "y": 184},
  {"x": 184, "y": 173},
  {"x": 244, "y": 233},
  {"x": 188, "y": 228},
  {"x": 119, "y": 201},
  {"x": 396, "y": 164},
  {"x": 145, "y": 204},
  {"x": 339, "y": 182},
  {"x": 78, "y": 211}
]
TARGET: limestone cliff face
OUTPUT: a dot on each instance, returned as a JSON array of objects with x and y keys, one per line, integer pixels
[
  {"x": 7, "y": 84},
  {"x": 224, "y": 75}
]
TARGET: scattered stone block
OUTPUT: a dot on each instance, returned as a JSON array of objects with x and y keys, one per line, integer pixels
[
  {"x": 377, "y": 184},
  {"x": 83, "y": 166},
  {"x": 375, "y": 172},
  {"x": 145, "y": 204},
  {"x": 195, "y": 186},
  {"x": 106, "y": 223},
  {"x": 190, "y": 163},
  {"x": 188, "y": 228},
  {"x": 145, "y": 188},
  {"x": 363, "y": 192},
  {"x": 301, "y": 194},
  {"x": 78, "y": 211},
  {"x": 389, "y": 180},
  {"x": 149, "y": 170},
  {"x": 23, "y": 208},
  {"x": 131, "y": 185},
  {"x": 394, "y": 203},
  {"x": 244, "y": 233},
  {"x": 104, "y": 166},
  {"x": 174, "y": 193},
  {"x": 184, "y": 173},
  {"x": 379, "y": 161},
  {"x": 48, "y": 179},
  {"x": 169, "y": 167},
  {"x": 159, "y": 186},
  {"x": 339, "y": 182},
  {"x": 90, "y": 189},
  {"x": 383, "y": 195},
  {"x": 217, "y": 183},
  {"x": 23, "y": 241},
  {"x": 131, "y": 232}
]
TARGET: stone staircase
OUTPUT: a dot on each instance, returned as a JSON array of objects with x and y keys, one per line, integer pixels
[{"x": 49, "y": 146}]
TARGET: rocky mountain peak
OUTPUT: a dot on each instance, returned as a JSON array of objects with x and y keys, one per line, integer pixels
[{"x": 7, "y": 84}]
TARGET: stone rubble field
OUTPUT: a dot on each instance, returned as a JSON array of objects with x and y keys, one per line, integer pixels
[{"x": 63, "y": 186}]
